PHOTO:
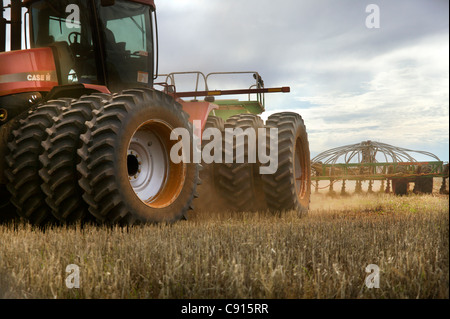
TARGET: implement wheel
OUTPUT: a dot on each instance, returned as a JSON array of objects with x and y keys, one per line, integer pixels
[
  {"x": 400, "y": 186},
  {"x": 423, "y": 184}
]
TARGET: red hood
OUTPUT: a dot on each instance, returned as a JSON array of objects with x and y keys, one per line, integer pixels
[{"x": 27, "y": 71}]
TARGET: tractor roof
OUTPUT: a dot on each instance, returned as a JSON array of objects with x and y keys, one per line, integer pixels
[{"x": 151, "y": 3}]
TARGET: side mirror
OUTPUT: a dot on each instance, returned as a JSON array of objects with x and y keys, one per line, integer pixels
[{"x": 107, "y": 3}]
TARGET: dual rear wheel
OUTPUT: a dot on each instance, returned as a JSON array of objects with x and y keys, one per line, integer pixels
[{"x": 101, "y": 157}]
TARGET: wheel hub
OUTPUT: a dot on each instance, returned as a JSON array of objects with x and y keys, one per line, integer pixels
[{"x": 147, "y": 165}]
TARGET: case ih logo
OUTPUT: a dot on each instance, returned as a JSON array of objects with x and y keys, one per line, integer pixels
[
  {"x": 39, "y": 77},
  {"x": 49, "y": 76}
]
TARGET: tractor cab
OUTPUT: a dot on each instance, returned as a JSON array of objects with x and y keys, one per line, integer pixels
[{"x": 108, "y": 43}]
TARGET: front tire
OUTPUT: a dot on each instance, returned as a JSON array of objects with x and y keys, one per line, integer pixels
[{"x": 127, "y": 174}]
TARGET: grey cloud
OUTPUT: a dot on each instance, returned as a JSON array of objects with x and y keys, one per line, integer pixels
[{"x": 334, "y": 64}]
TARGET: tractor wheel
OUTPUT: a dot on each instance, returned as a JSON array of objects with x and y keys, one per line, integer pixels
[
  {"x": 126, "y": 171},
  {"x": 23, "y": 165},
  {"x": 240, "y": 183},
  {"x": 209, "y": 196},
  {"x": 289, "y": 188},
  {"x": 59, "y": 160}
]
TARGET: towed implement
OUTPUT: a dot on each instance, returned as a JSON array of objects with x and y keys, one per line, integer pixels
[
  {"x": 393, "y": 167},
  {"x": 87, "y": 131}
]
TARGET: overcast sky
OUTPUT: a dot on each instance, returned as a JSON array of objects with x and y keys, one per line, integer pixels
[{"x": 350, "y": 83}]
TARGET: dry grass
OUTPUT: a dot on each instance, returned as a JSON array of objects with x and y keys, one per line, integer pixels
[{"x": 243, "y": 256}]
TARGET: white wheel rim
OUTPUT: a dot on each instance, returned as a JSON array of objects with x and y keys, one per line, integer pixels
[
  {"x": 147, "y": 164},
  {"x": 154, "y": 179}
]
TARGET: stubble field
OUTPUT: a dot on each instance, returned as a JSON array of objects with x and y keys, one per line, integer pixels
[{"x": 250, "y": 255}]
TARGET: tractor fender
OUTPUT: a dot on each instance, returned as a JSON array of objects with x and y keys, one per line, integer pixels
[
  {"x": 198, "y": 111},
  {"x": 75, "y": 91}
]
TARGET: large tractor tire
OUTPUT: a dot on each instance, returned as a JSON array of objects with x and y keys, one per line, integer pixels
[
  {"x": 59, "y": 160},
  {"x": 289, "y": 188},
  {"x": 209, "y": 196},
  {"x": 126, "y": 171},
  {"x": 240, "y": 183},
  {"x": 23, "y": 165}
]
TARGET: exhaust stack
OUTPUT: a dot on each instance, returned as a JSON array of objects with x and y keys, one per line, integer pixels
[
  {"x": 2, "y": 28},
  {"x": 16, "y": 25}
]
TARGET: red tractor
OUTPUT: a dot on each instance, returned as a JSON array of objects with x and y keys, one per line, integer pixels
[{"x": 86, "y": 136}]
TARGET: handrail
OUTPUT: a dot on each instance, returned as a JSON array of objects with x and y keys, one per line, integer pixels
[
  {"x": 169, "y": 83},
  {"x": 171, "y": 76}
]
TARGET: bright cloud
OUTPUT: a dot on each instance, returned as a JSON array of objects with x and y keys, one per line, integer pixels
[{"x": 404, "y": 102}]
